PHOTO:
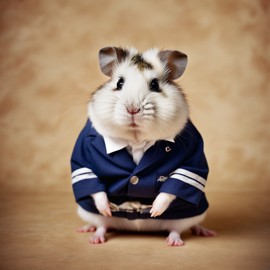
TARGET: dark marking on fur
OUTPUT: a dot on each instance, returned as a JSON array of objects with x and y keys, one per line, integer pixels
[
  {"x": 140, "y": 62},
  {"x": 121, "y": 54}
]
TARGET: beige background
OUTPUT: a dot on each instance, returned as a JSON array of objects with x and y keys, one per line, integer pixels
[{"x": 49, "y": 67}]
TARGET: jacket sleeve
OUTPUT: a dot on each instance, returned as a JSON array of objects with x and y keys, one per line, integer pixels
[
  {"x": 84, "y": 180},
  {"x": 188, "y": 180}
]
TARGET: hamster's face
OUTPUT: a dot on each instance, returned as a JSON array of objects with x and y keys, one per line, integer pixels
[{"x": 140, "y": 102}]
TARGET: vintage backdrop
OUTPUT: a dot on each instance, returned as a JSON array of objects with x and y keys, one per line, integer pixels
[{"x": 49, "y": 67}]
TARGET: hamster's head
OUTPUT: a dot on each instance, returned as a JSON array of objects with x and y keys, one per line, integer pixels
[{"x": 141, "y": 101}]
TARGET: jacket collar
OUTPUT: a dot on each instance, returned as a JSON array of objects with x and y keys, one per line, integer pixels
[
  {"x": 122, "y": 158},
  {"x": 113, "y": 145}
]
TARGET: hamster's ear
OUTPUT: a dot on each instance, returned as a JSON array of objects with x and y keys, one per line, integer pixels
[
  {"x": 108, "y": 56},
  {"x": 175, "y": 61}
]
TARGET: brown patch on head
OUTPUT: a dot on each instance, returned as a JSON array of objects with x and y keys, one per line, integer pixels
[
  {"x": 121, "y": 53},
  {"x": 140, "y": 62}
]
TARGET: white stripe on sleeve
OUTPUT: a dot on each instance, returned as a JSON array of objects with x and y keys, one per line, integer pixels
[
  {"x": 80, "y": 171},
  {"x": 188, "y": 181},
  {"x": 81, "y": 177},
  {"x": 192, "y": 175}
]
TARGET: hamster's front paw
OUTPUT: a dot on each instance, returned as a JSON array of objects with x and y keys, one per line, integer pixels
[
  {"x": 161, "y": 203},
  {"x": 102, "y": 203}
]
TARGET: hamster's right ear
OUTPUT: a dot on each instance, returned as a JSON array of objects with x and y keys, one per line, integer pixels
[
  {"x": 108, "y": 56},
  {"x": 175, "y": 62}
]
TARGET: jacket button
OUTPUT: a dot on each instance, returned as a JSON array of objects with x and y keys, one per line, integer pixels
[{"x": 134, "y": 180}]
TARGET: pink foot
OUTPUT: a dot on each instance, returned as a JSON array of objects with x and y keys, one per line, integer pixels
[
  {"x": 174, "y": 239},
  {"x": 201, "y": 231},
  {"x": 86, "y": 228},
  {"x": 99, "y": 236}
]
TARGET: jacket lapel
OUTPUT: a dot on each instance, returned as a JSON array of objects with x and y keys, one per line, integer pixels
[
  {"x": 121, "y": 158},
  {"x": 156, "y": 155}
]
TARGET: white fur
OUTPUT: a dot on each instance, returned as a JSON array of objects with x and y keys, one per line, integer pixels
[
  {"x": 139, "y": 224},
  {"x": 166, "y": 113},
  {"x": 161, "y": 203}
]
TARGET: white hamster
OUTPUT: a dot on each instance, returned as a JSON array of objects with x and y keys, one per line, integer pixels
[{"x": 139, "y": 164}]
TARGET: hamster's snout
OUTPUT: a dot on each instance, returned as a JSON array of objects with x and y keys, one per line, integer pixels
[{"x": 133, "y": 110}]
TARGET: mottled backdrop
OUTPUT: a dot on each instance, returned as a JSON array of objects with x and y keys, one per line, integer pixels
[{"x": 49, "y": 67}]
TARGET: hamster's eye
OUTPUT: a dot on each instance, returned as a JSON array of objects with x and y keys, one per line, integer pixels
[
  {"x": 120, "y": 83},
  {"x": 154, "y": 86}
]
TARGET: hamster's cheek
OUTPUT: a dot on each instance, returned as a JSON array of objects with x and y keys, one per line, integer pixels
[
  {"x": 119, "y": 114},
  {"x": 164, "y": 109},
  {"x": 168, "y": 108}
]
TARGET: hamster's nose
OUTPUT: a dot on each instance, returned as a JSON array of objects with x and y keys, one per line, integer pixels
[{"x": 133, "y": 110}]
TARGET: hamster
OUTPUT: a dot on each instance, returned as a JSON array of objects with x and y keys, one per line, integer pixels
[{"x": 139, "y": 164}]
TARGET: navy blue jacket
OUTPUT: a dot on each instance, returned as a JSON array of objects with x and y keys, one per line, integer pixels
[{"x": 178, "y": 168}]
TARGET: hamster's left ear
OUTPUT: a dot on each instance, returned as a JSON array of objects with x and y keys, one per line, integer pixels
[
  {"x": 108, "y": 56},
  {"x": 175, "y": 62}
]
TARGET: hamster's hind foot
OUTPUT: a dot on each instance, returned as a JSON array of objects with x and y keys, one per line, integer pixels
[
  {"x": 99, "y": 236},
  {"x": 174, "y": 239},
  {"x": 86, "y": 228},
  {"x": 201, "y": 231}
]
